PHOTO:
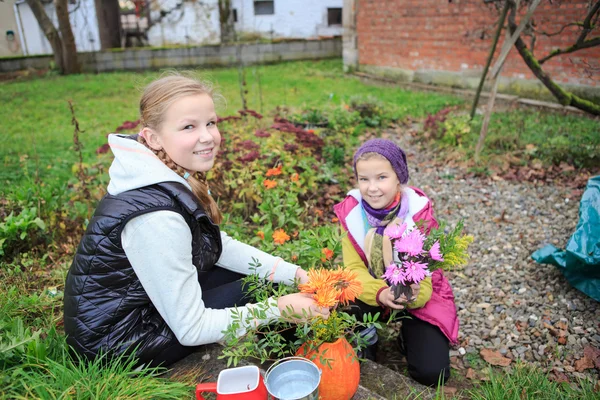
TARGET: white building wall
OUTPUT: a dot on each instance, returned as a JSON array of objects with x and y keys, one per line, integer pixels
[
  {"x": 83, "y": 23},
  {"x": 292, "y": 18},
  {"x": 184, "y": 23}
]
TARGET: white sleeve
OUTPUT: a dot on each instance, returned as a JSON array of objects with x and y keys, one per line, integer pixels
[
  {"x": 237, "y": 257},
  {"x": 159, "y": 247}
]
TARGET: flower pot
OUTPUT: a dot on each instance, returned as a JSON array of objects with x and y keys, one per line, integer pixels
[{"x": 339, "y": 366}]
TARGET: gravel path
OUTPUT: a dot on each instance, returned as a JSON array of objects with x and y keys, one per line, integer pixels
[{"x": 506, "y": 301}]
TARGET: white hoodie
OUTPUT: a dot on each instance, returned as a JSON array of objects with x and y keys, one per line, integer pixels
[{"x": 159, "y": 248}]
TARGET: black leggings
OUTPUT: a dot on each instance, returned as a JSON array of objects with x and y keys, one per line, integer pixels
[
  {"x": 427, "y": 349},
  {"x": 221, "y": 288}
]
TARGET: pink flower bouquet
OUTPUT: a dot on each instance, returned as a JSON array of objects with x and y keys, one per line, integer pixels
[{"x": 416, "y": 256}]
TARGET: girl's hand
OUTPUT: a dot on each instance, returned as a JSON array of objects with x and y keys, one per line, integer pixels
[
  {"x": 300, "y": 307},
  {"x": 302, "y": 275},
  {"x": 386, "y": 297},
  {"x": 416, "y": 288}
]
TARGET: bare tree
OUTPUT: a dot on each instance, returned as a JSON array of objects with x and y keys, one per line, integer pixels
[
  {"x": 63, "y": 44},
  {"x": 71, "y": 63},
  {"x": 587, "y": 25},
  {"x": 226, "y": 21},
  {"x": 49, "y": 31},
  {"x": 108, "y": 13}
]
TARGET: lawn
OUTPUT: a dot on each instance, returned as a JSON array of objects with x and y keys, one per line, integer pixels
[{"x": 47, "y": 195}]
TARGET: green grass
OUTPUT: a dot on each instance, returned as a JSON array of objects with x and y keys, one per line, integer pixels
[
  {"x": 35, "y": 120},
  {"x": 524, "y": 382},
  {"x": 37, "y": 160}
]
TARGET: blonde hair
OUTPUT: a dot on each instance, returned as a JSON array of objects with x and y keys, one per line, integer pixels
[
  {"x": 156, "y": 99},
  {"x": 370, "y": 155}
]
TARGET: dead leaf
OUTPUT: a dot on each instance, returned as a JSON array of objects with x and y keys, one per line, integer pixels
[
  {"x": 558, "y": 376},
  {"x": 471, "y": 374},
  {"x": 583, "y": 364},
  {"x": 494, "y": 357},
  {"x": 562, "y": 340},
  {"x": 593, "y": 354}
]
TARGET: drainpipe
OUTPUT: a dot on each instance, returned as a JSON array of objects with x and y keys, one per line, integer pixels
[{"x": 20, "y": 29}]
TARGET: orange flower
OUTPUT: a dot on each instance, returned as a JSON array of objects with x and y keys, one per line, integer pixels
[
  {"x": 310, "y": 131},
  {"x": 319, "y": 212},
  {"x": 317, "y": 279},
  {"x": 347, "y": 284},
  {"x": 261, "y": 235},
  {"x": 326, "y": 297},
  {"x": 294, "y": 257},
  {"x": 335, "y": 220},
  {"x": 280, "y": 237},
  {"x": 328, "y": 254},
  {"x": 275, "y": 171},
  {"x": 295, "y": 177},
  {"x": 269, "y": 184}
]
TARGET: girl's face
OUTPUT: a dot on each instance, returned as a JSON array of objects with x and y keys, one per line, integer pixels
[
  {"x": 188, "y": 133},
  {"x": 377, "y": 182}
]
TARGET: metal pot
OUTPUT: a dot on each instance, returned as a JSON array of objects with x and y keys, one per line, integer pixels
[{"x": 293, "y": 378}]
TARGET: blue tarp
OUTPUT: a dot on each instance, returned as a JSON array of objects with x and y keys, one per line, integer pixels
[{"x": 580, "y": 261}]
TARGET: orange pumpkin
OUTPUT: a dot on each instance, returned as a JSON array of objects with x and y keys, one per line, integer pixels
[{"x": 340, "y": 369}]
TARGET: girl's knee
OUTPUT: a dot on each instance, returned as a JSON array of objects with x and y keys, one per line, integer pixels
[{"x": 430, "y": 376}]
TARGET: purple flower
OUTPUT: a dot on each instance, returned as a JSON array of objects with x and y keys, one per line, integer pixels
[
  {"x": 411, "y": 244},
  {"x": 249, "y": 145},
  {"x": 434, "y": 252},
  {"x": 249, "y": 157},
  {"x": 415, "y": 271},
  {"x": 395, "y": 231},
  {"x": 261, "y": 133},
  {"x": 394, "y": 274}
]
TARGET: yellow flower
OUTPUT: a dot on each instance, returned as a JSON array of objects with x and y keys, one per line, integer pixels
[{"x": 280, "y": 237}]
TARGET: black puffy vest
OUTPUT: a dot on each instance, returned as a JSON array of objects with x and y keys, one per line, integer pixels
[{"x": 106, "y": 309}]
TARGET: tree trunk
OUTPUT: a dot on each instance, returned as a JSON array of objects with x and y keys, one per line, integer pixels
[
  {"x": 49, "y": 31},
  {"x": 226, "y": 21},
  {"x": 71, "y": 63},
  {"x": 564, "y": 97},
  {"x": 490, "y": 57},
  {"x": 108, "y": 13}
]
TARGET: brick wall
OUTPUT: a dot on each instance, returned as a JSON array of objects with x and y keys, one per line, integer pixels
[{"x": 456, "y": 36}]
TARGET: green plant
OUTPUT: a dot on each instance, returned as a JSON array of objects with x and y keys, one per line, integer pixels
[
  {"x": 68, "y": 378},
  {"x": 455, "y": 128},
  {"x": 311, "y": 117},
  {"x": 526, "y": 382},
  {"x": 283, "y": 337},
  {"x": 18, "y": 232}
]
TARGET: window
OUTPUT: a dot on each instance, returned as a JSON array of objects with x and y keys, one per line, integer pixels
[
  {"x": 235, "y": 15},
  {"x": 334, "y": 16},
  {"x": 264, "y": 7}
]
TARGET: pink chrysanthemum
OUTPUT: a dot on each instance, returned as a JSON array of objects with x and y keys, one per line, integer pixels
[
  {"x": 434, "y": 252},
  {"x": 411, "y": 244},
  {"x": 394, "y": 274},
  {"x": 395, "y": 232},
  {"x": 415, "y": 271}
]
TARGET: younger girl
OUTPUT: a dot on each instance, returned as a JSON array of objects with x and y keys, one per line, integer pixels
[
  {"x": 383, "y": 199},
  {"x": 153, "y": 273}
]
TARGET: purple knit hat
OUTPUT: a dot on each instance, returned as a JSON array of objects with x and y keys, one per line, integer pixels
[{"x": 390, "y": 151}]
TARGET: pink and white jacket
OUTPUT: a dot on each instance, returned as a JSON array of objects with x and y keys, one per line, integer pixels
[{"x": 440, "y": 310}]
